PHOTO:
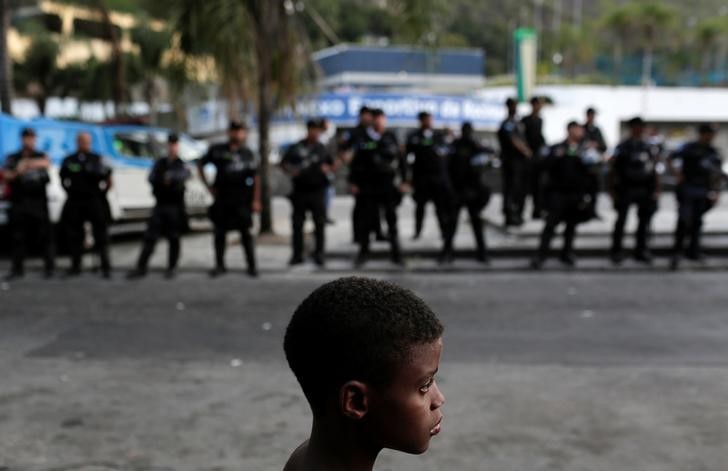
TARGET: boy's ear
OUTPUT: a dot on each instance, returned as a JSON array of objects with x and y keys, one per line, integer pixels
[{"x": 354, "y": 400}]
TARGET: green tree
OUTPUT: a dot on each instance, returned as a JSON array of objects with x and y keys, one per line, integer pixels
[
  {"x": 37, "y": 76},
  {"x": 118, "y": 79},
  {"x": 152, "y": 46},
  {"x": 645, "y": 25},
  {"x": 261, "y": 49},
  {"x": 710, "y": 36}
]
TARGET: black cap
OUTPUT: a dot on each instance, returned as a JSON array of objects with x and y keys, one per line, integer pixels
[
  {"x": 378, "y": 112},
  {"x": 636, "y": 121},
  {"x": 707, "y": 128},
  {"x": 364, "y": 110},
  {"x": 423, "y": 115},
  {"x": 511, "y": 102},
  {"x": 536, "y": 100},
  {"x": 173, "y": 138},
  {"x": 236, "y": 125},
  {"x": 27, "y": 132},
  {"x": 591, "y": 110}
]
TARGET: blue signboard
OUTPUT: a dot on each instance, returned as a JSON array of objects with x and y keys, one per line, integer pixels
[{"x": 402, "y": 109}]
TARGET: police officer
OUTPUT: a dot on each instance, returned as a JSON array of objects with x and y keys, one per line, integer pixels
[
  {"x": 86, "y": 179},
  {"x": 236, "y": 191},
  {"x": 27, "y": 174},
  {"x": 467, "y": 165},
  {"x": 348, "y": 145},
  {"x": 593, "y": 136},
  {"x": 429, "y": 179},
  {"x": 565, "y": 199},
  {"x": 596, "y": 146},
  {"x": 515, "y": 155},
  {"x": 309, "y": 164},
  {"x": 533, "y": 133},
  {"x": 633, "y": 180},
  {"x": 698, "y": 167},
  {"x": 372, "y": 176},
  {"x": 169, "y": 219},
  {"x": 349, "y": 140}
]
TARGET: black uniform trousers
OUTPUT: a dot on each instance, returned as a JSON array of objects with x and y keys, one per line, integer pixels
[
  {"x": 561, "y": 207},
  {"x": 534, "y": 181},
  {"x": 368, "y": 207},
  {"x": 643, "y": 199},
  {"x": 473, "y": 202},
  {"x": 593, "y": 184},
  {"x": 433, "y": 189},
  {"x": 167, "y": 220},
  {"x": 232, "y": 215},
  {"x": 515, "y": 175},
  {"x": 303, "y": 203},
  {"x": 78, "y": 211},
  {"x": 693, "y": 203},
  {"x": 29, "y": 222}
]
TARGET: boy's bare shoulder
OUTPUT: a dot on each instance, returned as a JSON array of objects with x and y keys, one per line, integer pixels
[{"x": 295, "y": 462}]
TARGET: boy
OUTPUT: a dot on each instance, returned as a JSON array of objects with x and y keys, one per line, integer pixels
[{"x": 365, "y": 353}]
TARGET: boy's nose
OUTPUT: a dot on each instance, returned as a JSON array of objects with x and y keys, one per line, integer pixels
[{"x": 439, "y": 399}]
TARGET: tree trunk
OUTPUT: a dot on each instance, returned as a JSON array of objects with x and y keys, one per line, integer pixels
[
  {"x": 647, "y": 66},
  {"x": 264, "y": 116},
  {"x": 265, "y": 20},
  {"x": 149, "y": 91},
  {"x": 6, "y": 69},
  {"x": 41, "y": 101},
  {"x": 117, "y": 58},
  {"x": 618, "y": 59}
]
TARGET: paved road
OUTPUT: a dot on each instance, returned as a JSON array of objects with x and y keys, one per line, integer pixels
[
  {"x": 560, "y": 371},
  {"x": 588, "y": 370}
]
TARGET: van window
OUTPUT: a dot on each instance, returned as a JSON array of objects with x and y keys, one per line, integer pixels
[{"x": 137, "y": 145}]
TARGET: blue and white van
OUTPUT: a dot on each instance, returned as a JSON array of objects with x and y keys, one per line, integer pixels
[{"x": 130, "y": 150}]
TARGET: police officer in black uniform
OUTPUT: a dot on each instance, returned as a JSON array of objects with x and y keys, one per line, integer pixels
[
  {"x": 596, "y": 146},
  {"x": 592, "y": 134},
  {"x": 428, "y": 177},
  {"x": 349, "y": 139},
  {"x": 515, "y": 155},
  {"x": 698, "y": 167},
  {"x": 633, "y": 180},
  {"x": 27, "y": 174},
  {"x": 533, "y": 133},
  {"x": 87, "y": 179},
  {"x": 565, "y": 195},
  {"x": 237, "y": 195},
  {"x": 309, "y": 164},
  {"x": 467, "y": 165},
  {"x": 347, "y": 147},
  {"x": 169, "y": 218},
  {"x": 372, "y": 177}
]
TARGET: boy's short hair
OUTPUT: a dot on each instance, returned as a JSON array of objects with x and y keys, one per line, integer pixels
[{"x": 355, "y": 329}]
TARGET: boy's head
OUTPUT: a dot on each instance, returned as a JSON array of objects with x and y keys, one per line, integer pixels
[{"x": 366, "y": 353}]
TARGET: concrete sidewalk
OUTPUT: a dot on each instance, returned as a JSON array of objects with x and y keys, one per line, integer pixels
[
  {"x": 511, "y": 248},
  {"x": 593, "y": 237}
]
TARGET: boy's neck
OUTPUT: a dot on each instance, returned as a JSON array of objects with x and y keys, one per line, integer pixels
[{"x": 335, "y": 447}]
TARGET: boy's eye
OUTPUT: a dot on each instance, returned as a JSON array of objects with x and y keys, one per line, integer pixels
[{"x": 426, "y": 387}]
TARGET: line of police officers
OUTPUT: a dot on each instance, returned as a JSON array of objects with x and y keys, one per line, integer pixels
[
  {"x": 563, "y": 181},
  {"x": 85, "y": 177}
]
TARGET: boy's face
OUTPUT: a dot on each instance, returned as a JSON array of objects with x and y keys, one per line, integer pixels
[{"x": 406, "y": 415}]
